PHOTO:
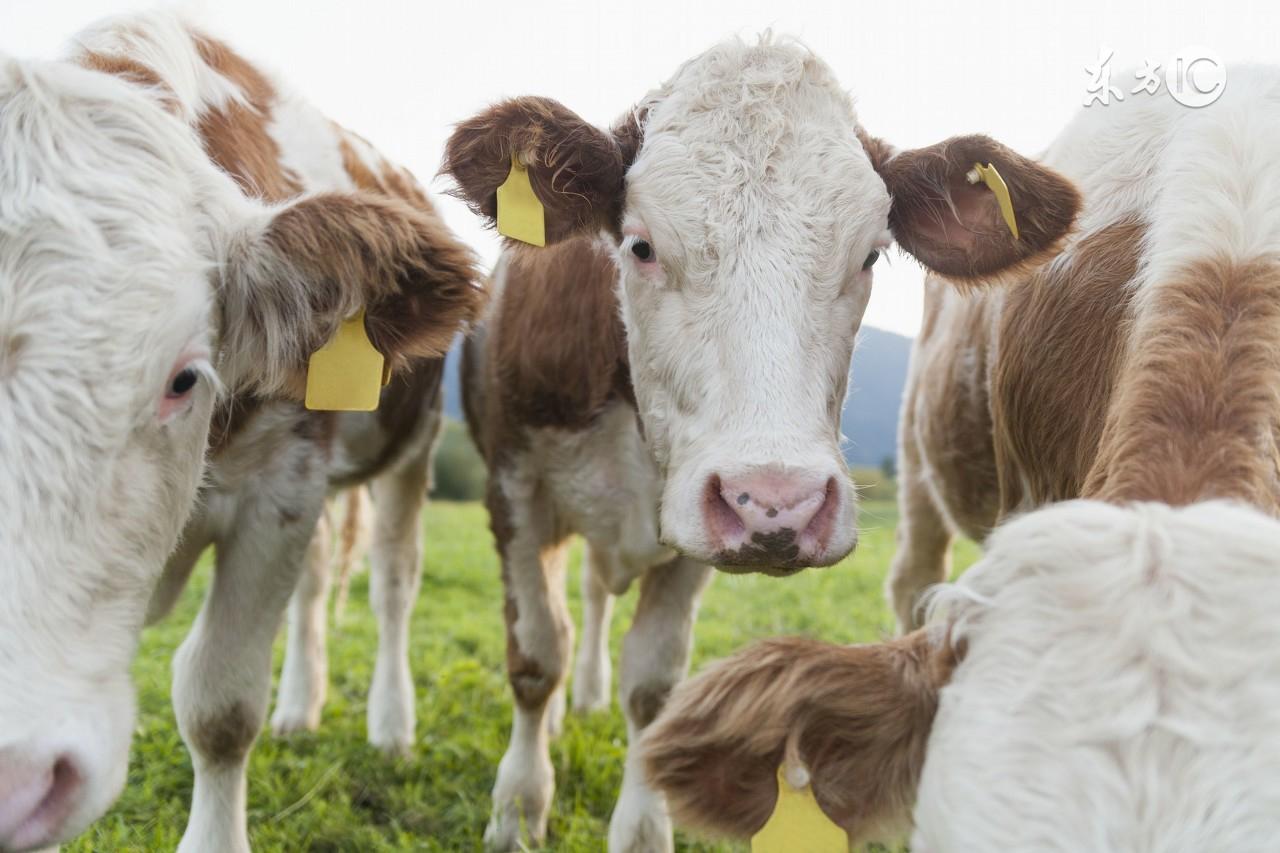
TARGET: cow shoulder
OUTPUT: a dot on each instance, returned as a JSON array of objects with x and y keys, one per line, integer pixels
[{"x": 557, "y": 341}]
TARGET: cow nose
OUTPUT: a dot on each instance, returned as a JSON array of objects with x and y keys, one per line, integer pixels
[
  {"x": 36, "y": 797},
  {"x": 770, "y": 517}
]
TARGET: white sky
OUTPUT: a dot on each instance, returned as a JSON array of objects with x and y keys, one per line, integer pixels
[{"x": 401, "y": 72}]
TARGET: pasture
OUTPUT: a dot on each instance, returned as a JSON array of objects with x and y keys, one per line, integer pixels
[{"x": 331, "y": 792}]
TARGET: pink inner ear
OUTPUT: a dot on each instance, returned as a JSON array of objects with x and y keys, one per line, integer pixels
[{"x": 961, "y": 224}]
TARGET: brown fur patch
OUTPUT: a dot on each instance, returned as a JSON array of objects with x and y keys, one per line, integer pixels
[
  {"x": 417, "y": 283},
  {"x": 647, "y": 701},
  {"x": 1062, "y": 339},
  {"x": 955, "y": 228},
  {"x": 236, "y": 137},
  {"x": 557, "y": 342},
  {"x": 531, "y": 684},
  {"x": 577, "y": 169},
  {"x": 858, "y": 718},
  {"x": 129, "y": 68},
  {"x": 227, "y": 736},
  {"x": 1197, "y": 408}
]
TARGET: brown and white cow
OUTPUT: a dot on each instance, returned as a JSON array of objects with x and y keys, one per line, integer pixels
[
  {"x": 177, "y": 235},
  {"x": 1106, "y": 677},
  {"x": 666, "y": 377}
]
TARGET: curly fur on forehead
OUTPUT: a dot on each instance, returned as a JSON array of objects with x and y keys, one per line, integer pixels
[
  {"x": 770, "y": 140},
  {"x": 739, "y": 86}
]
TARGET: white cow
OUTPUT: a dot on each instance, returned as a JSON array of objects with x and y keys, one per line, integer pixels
[{"x": 159, "y": 263}]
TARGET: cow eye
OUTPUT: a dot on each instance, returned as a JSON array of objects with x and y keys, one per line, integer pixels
[
  {"x": 642, "y": 250},
  {"x": 871, "y": 260},
  {"x": 183, "y": 381}
]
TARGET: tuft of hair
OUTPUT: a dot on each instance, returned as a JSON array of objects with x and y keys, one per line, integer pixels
[
  {"x": 577, "y": 170},
  {"x": 856, "y": 717},
  {"x": 318, "y": 261}
]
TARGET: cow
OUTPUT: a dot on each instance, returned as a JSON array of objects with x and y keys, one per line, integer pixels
[
  {"x": 1105, "y": 678},
  {"x": 178, "y": 234},
  {"x": 666, "y": 376}
]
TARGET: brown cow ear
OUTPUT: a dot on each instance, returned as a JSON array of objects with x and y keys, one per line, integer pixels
[
  {"x": 954, "y": 226},
  {"x": 577, "y": 170},
  {"x": 291, "y": 279},
  {"x": 858, "y": 717}
]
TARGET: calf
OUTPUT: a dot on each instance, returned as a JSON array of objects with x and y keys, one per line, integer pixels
[
  {"x": 666, "y": 377},
  {"x": 1105, "y": 678},
  {"x": 177, "y": 236}
]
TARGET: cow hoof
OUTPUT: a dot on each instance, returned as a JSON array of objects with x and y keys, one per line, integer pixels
[
  {"x": 640, "y": 823},
  {"x": 287, "y": 721},
  {"x": 502, "y": 835},
  {"x": 645, "y": 833},
  {"x": 395, "y": 746}
]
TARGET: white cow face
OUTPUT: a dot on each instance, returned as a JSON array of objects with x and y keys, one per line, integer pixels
[
  {"x": 748, "y": 207},
  {"x": 135, "y": 283},
  {"x": 1105, "y": 678}
]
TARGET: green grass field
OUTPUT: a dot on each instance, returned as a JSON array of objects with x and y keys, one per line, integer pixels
[{"x": 330, "y": 791}]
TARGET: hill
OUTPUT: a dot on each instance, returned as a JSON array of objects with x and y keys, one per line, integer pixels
[{"x": 870, "y": 419}]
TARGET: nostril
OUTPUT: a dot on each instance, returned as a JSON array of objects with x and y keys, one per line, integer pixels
[
  {"x": 39, "y": 804},
  {"x": 721, "y": 518}
]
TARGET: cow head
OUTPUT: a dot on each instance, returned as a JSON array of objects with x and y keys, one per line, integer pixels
[
  {"x": 137, "y": 285},
  {"x": 748, "y": 208},
  {"x": 1105, "y": 678}
]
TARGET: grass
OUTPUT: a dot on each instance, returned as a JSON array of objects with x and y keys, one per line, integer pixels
[{"x": 330, "y": 791}]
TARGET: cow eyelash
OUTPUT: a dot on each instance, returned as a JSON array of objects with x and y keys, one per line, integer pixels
[{"x": 871, "y": 260}]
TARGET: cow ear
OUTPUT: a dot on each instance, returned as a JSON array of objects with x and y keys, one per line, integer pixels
[
  {"x": 953, "y": 224},
  {"x": 576, "y": 169},
  {"x": 295, "y": 273},
  {"x": 857, "y": 717}
]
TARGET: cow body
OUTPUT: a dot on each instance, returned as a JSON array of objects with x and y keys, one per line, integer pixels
[
  {"x": 667, "y": 375},
  {"x": 297, "y": 225},
  {"x": 548, "y": 400},
  {"x": 1132, "y": 367},
  {"x": 1104, "y": 678}
]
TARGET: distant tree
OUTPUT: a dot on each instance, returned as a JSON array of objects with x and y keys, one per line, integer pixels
[
  {"x": 459, "y": 470},
  {"x": 889, "y": 467}
]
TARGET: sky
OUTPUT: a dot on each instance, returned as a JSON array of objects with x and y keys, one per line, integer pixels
[{"x": 401, "y": 73}]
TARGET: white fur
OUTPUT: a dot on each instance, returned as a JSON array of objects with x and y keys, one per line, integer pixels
[
  {"x": 762, "y": 207},
  {"x": 1120, "y": 689}
]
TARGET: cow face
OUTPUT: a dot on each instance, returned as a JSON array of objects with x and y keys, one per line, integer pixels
[
  {"x": 748, "y": 209},
  {"x": 137, "y": 284},
  {"x": 1104, "y": 678}
]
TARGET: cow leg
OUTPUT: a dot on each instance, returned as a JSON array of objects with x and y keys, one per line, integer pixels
[
  {"x": 222, "y": 671},
  {"x": 923, "y": 556},
  {"x": 655, "y": 657},
  {"x": 178, "y": 568},
  {"x": 539, "y": 644},
  {"x": 304, "y": 680},
  {"x": 591, "y": 673},
  {"x": 395, "y": 565}
]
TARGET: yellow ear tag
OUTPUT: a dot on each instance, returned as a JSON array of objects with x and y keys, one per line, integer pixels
[
  {"x": 345, "y": 375},
  {"x": 798, "y": 824},
  {"x": 988, "y": 175},
  {"x": 520, "y": 214}
]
